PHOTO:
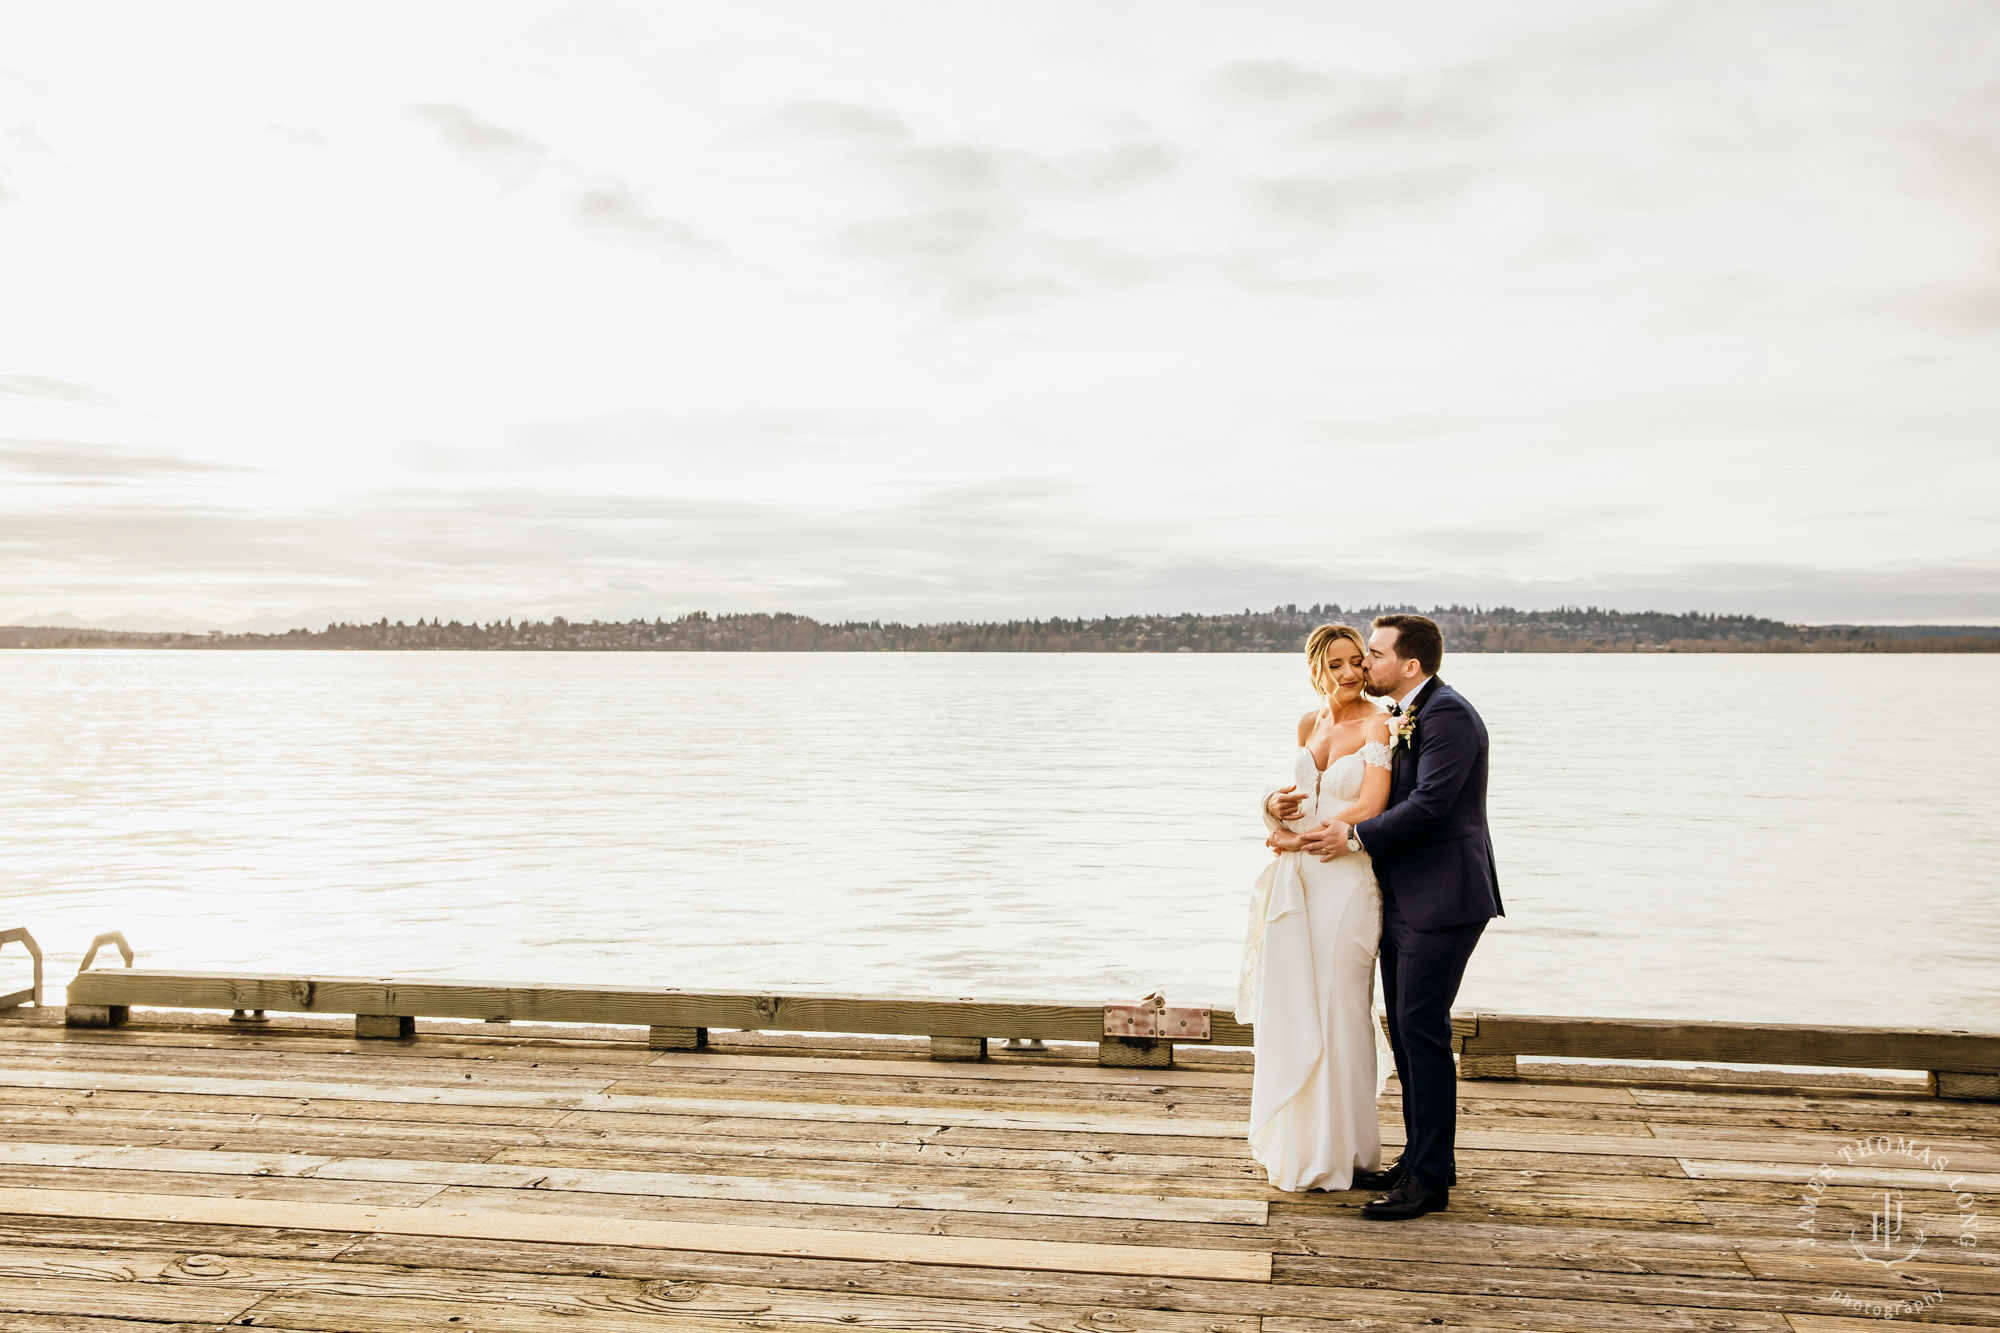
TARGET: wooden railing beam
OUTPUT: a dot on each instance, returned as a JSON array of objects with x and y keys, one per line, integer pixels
[
  {"x": 930, "y": 1016},
  {"x": 1963, "y": 1063},
  {"x": 1734, "y": 1043}
]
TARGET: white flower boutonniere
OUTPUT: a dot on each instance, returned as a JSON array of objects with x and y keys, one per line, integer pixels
[{"x": 1401, "y": 729}]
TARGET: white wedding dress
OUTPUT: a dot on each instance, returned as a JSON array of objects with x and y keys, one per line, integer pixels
[{"x": 1308, "y": 984}]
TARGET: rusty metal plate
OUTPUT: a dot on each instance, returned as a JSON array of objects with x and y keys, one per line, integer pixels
[{"x": 1153, "y": 1017}]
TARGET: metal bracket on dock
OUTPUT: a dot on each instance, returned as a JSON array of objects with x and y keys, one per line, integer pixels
[
  {"x": 1153, "y": 1017},
  {"x": 108, "y": 937},
  {"x": 32, "y": 995}
]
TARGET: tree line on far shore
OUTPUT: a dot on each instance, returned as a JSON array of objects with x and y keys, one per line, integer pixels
[{"x": 1282, "y": 629}]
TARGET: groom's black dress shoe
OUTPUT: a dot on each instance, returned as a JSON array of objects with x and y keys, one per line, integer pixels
[
  {"x": 1411, "y": 1198},
  {"x": 1387, "y": 1178}
]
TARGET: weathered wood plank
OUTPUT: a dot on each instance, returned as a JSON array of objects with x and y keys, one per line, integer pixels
[
  {"x": 469, "y": 1119},
  {"x": 1741, "y": 1292},
  {"x": 1144, "y": 1120},
  {"x": 1739, "y": 1144},
  {"x": 1736, "y": 1043},
  {"x": 919, "y": 1015},
  {"x": 1511, "y": 1244},
  {"x": 1831, "y": 1267},
  {"x": 894, "y": 1168},
  {"x": 906, "y": 1163},
  {"x": 188, "y": 1238},
  {"x": 72, "y": 1121},
  {"x": 80, "y": 1323},
  {"x": 1840, "y": 1125},
  {"x": 945, "y": 1175},
  {"x": 392, "y": 1294},
  {"x": 1514, "y": 1312},
  {"x": 651, "y": 1184},
  {"x": 278, "y": 1189},
  {"x": 1149, "y": 1120},
  {"x": 1729, "y": 1219},
  {"x": 278, "y": 1088},
  {"x": 993, "y": 1070},
  {"x": 1019, "y": 1159},
  {"x": 218, "y": 1035},
  {"x": 669, "y": 1310},
  {"x": 703, "y": 1083},
  {"x": 1917, "y": 1107},
  {"x": 1401, "y": 1310},
  {"x": 816, "y": 1276},
  {"x": 1234, "y": 1265},
  {"x": 1044, "y": 1229},
  {"x": 1101, "y": 1140},
  {"x": 1882, "y": 1177},
  {"x": 1819, "y": 1323},
  {"x": 55, "y": 1296}
]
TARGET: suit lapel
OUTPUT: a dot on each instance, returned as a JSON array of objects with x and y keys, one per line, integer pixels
[{"x": 1397, "y": 768}]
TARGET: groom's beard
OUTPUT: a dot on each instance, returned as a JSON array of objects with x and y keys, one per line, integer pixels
[{"x": 1372, "y": 690}]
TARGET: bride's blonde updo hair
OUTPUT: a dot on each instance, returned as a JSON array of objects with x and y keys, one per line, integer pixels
[{"x": 1316, "y": 643}]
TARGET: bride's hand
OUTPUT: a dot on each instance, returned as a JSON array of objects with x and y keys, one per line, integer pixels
[
  {"x": 1284, "y": 840},
  {"x": 1283, "y": 805}
]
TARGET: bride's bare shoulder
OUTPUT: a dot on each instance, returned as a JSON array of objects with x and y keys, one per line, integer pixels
[
  {"x": 1307, "y": 724},
  {"x": 1376, "y": 726}
]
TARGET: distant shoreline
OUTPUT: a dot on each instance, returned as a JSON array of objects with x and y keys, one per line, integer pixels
[{"x": 1280, "y": 630}]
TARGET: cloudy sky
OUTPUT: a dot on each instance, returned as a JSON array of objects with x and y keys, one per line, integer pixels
[{"x": 951, "y": 309}]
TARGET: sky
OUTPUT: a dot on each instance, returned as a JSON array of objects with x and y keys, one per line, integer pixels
[{"x": 948, "y": 310}]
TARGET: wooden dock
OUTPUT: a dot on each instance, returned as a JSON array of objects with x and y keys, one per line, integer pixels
[{"x": 189, "y": 1173}]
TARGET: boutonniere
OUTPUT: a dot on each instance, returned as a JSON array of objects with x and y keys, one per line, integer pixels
[{"x": 1402, "y": 729}]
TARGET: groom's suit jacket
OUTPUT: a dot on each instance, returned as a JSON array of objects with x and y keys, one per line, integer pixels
[{"x": 1433, "y": 856}]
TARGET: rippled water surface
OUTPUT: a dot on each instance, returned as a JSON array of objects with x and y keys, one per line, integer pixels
[{"x": 1782, "y": 838}]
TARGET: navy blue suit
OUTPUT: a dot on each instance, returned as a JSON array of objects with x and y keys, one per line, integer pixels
[{"x": 1434, "y": 860}]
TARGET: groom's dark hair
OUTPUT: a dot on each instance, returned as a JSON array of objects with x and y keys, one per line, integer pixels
[{"x": 1418, "y": 637}]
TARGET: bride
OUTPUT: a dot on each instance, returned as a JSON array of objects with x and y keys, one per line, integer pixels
[{"x": 1308, "y": 977}]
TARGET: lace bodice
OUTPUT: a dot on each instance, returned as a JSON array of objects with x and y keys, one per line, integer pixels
[{"x": 1332, "y": 791}]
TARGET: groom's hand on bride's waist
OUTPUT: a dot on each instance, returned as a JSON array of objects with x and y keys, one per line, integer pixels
[{"x": 1326, "y": 842}]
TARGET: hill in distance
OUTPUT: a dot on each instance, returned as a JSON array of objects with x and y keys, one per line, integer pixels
[{"x": 1282, "y": 629}]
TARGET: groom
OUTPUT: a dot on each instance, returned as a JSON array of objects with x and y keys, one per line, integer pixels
[{"x": 1434, "y": 861}]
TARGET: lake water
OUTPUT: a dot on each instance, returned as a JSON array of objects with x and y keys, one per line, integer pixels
[{"x": 1785, "y": 838}]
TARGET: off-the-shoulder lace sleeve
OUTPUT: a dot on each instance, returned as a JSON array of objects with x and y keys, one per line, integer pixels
[{"x": 1376, "y": 753}]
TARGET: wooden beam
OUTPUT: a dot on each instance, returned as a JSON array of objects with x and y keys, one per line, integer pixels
[
  {"x": 1135, "y": 1053},
  {"x": 660, "y": 1038},
  {"x": 914, "y": 1015},
  {"x": 1735, "y": 1043},
  {"x": 94, "y": 1015},
  {"x": 958, "y": 1048},
  {"x": 717, "y": 1238},
  {"x": 384, "y": 1027},
  {"x": 1487, "y": 1066},
  {"x": 1967, "y": 1087}
]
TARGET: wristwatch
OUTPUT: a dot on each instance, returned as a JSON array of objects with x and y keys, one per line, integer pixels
[{"x": 1354, "y": 840}]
